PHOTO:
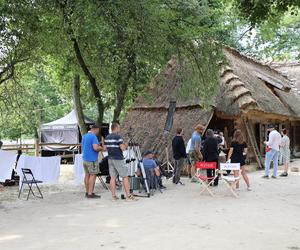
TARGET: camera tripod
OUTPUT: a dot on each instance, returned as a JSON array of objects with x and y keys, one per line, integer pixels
[{"x": 134, "y": 154}]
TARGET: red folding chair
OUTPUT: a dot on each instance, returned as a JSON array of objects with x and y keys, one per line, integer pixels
[{"x": 204, "y": 179}]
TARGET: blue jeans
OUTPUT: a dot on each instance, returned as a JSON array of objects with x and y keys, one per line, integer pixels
[{"x": 272, "y": 155}]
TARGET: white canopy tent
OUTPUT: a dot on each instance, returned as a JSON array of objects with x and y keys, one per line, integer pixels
[{"x": 62, "y": 131}]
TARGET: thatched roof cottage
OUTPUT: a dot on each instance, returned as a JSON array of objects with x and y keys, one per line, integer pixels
[{"x": 249, "y": 96}]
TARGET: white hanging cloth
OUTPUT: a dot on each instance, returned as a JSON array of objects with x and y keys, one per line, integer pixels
[{"x": 7, "y": 163}]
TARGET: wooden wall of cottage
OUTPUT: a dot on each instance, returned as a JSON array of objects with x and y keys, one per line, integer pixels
[{"x": 257, "y": 123}]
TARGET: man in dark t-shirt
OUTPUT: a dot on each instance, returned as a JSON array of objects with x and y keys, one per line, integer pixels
[
  {"x": 179, "y": 154},
  {"x": 115, "y": 146}
]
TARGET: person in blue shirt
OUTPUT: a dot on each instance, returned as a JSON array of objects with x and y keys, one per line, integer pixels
[
  {"x": 151, "y": 170},
  {"x": 90, "y": 149},
  {"x": 195, "y": 149}
]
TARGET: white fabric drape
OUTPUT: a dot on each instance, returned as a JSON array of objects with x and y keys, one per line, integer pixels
[
  {"x": 7, "y": 163},
  {"x": 46, "y": 169},
  {"x": 78, "y": 169}
]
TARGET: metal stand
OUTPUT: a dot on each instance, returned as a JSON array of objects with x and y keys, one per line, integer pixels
[
  {"x": 135, "y": 149},
  {"x": 168, "y": 166}
]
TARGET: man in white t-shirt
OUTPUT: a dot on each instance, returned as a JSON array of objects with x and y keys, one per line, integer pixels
[{"x": 272, "y": 151}]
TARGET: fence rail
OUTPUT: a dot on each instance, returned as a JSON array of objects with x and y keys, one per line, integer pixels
[{"x": 35, "y": 147}]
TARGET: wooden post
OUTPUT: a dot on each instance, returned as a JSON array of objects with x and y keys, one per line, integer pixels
[{"x": 36, "y": 147}]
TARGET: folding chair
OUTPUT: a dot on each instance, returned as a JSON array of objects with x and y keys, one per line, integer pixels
[
  {"x": 231, "y": 181},
  {"x": 29, "y": 179},
  {"x": 104, "y": 172},
  {"x": 204, "y": 179}
]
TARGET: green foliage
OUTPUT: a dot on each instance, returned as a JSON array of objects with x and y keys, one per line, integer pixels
[{"x": 257, "y": 11}]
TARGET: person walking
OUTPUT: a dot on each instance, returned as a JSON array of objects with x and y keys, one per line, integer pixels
[
  {"x": 115, "y": 146},
  {"x": 285, "y": 148},
  {"x": 195, "y": 149},
  {"x": 210, "y": 152},
  {"x": 179, "y": 155},
  {"x": 272, "y": 151},
  {"x": 90, "y": 150},
  {"x": 237, "y": 154}
]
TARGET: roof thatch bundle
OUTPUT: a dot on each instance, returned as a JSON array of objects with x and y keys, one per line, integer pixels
[{"x": 245, "y": 85}]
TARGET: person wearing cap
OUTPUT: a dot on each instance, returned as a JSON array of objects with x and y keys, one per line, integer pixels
[
  {"x": 90, "y": 149},
  {"x": 272, "y": 151},
  {"x": 151, "y": 167}
]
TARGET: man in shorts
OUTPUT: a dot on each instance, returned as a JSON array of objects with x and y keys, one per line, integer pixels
[
  {"x": 195, "y": 149},
  {"x": 115, "y": 146},
  {"x": 90, "y": 150}
]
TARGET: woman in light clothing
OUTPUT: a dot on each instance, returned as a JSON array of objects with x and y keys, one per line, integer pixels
[{"x": 285, "y": 147}]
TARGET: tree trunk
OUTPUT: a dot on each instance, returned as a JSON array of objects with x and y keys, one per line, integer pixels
[
  {"x": 78, "y": 105},
  {"x": 82, "y": 63},
  {"x": 92, "y": 81},
  {"x": 124, "y": 84},
  {"x": 120, "y": 97}
]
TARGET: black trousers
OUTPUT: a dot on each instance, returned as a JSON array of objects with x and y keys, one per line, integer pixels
[{"x": 212, "y": 172}]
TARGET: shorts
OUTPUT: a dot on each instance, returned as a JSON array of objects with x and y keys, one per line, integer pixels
[
  {"x": 193, "y": 156},
  {"x": 117, "y": 168},
  {"x": 91, "y": 167}
]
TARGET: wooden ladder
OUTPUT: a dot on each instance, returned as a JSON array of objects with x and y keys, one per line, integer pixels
[{"x": 253, "y": 142}]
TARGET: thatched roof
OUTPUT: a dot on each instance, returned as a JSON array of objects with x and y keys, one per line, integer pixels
[
  {"x": 245, "y": 85},
  {"x": 292, "y": 71}
]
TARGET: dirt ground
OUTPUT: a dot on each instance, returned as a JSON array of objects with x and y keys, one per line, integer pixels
[{"x": 266, "y": 218}]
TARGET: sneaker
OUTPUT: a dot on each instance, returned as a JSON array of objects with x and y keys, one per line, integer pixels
[
  {"x": 284, "y": 174},
  {"x": 93, "y": 196},
  {"x": 86, "y": 194},
  {"x": 249, "y": 188},
  {"x": 265, "y": 177},
  {"x": 180, "y": 183},
  {"x": 274, "y": 177},
  {"x": 162, "y": 187},
  {"x": 115, "y": 198},
  {"x": 131, "y": 198}
]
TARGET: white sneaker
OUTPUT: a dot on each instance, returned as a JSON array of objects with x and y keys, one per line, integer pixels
[{"x": 249, "y": 188}]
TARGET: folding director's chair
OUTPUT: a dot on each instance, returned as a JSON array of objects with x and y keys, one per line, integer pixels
[
  {"x": 29, "y": 179},
  {"x": 204, "y": 180},
  {"x": 230, "y": 180}
]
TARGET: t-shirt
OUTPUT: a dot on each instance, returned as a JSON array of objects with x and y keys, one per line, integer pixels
[
  {"x": 238, "y": 152},
  {"x": 149, "y": 163},
  {"x": 274, "y": 140},
  {"x": 285, "y": 142},
  {"x": 112, "y": 143},
  {"x": 196, "y": 138},
  {"x": 88, "y": 152},
  {"x": 188, "y": 146},
  {"x": 178, "y": 147}
]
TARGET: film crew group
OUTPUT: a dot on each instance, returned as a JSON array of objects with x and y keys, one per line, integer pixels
[
  {"x": 209, "y": 148},
  {"x": 115, "y": 146}
]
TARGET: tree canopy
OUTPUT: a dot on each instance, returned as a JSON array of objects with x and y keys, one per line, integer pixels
[{"x": 116, "y": 47}]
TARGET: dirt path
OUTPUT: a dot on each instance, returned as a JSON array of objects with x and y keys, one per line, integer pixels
[{"x": 266, "y": 218}]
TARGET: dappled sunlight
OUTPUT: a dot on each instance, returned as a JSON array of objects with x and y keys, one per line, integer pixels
[
  {"x": 112, "y": 223},
  {"x": 11, "y": 237}
]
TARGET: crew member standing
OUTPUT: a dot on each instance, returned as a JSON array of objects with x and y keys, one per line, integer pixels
[
  {"x": 90, "y": 150},
  {"x": 115, "y": 146},
  {"x": 272, "y": 151},
  {"x": 179, "y": 155},
  {"x": 195, "y": 149}
]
